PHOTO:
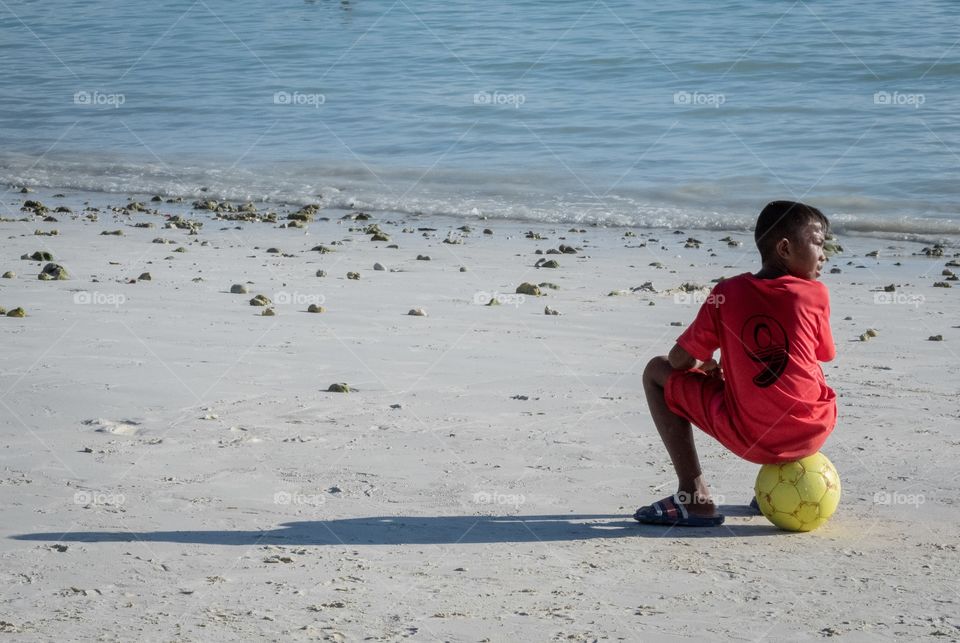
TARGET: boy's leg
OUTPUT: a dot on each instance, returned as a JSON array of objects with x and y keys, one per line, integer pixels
[{"x": 677, "y": 436}]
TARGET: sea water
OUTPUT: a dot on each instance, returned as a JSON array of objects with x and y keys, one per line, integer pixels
[{"x": 608, "y": 111}]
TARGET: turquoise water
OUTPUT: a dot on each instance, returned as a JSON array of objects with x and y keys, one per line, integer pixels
[{"x": 620, "y": 112}]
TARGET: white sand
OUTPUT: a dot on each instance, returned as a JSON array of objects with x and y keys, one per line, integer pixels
[{"x": 173, "y": 467}]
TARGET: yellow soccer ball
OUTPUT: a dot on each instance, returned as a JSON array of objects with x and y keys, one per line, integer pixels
[{"x": 799, "y": 495}]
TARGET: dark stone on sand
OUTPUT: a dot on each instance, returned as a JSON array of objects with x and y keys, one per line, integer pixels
[
  {"x": 942, "y": 284},
  {"x": 353, "y": 275},
  {"x": 314, "y": 308},
  {"x": 889, "y": 288},
  {"x": 52, "y": 272},
  {"x": 487, "y": 231},
  {"x": 339, "y": 387},
  {"x": 260, "y": 300},
  {"x": 40, "y": 255},
  {"x": 379, "y": 236},
  {"x": 9, "y": 274},
  {"x": 932, "y": 338},
  {"x": 423, "y": 257},
  {"x": 321, "y": 249},
  {"x": 17, "y": 312},
  {"x": 238, "y": 289},
  {"x": 527, "y": 288},
  {"x": 274, "y": 251},
  {"x": 116, "y": 233},
  {"x": 552, "y": 263},
  {"x": 301, "y": 216},
  {"x": 36, "y": 206},
  {"x": 321, "y": 273},
  {"x": 268, "y": 312},
  {"x": 145, "y": 277}
]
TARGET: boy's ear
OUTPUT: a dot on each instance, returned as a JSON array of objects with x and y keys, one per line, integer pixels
[{"x": 783, "y": 247}]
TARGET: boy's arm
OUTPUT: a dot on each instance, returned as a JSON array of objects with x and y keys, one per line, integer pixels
[
  {"x": 681, "y": 360},
  {"x": 826, "y": 350},
  {"x": 701, "y": 338}
]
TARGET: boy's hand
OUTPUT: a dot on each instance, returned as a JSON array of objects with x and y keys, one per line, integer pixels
[{"x": 712, "y": 368}]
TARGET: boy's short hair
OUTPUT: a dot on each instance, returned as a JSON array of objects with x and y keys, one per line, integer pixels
[{"x": 784, "y": 219}]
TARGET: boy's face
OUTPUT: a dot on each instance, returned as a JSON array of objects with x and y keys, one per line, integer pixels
[{"x": 803, "y": 255}]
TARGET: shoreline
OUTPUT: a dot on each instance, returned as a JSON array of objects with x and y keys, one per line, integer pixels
[{"x": 942, "y": 230}]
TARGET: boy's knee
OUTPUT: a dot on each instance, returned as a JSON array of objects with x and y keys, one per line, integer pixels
[{"x": 657, "y": 370}]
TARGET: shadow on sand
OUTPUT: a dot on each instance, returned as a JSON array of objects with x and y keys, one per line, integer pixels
[{"x": 429, "y": 530}]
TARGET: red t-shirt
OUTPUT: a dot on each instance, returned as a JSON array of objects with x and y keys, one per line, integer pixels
[{"x": 772, "y": 334}]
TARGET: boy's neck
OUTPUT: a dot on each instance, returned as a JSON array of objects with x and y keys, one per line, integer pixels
[{"x": 770, "y": 272}]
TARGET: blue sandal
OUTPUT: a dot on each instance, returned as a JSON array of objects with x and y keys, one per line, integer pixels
[{"x": 670, "y": 512}]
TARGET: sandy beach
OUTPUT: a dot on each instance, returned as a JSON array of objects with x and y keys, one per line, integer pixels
[{"x": 175, "y": 467}]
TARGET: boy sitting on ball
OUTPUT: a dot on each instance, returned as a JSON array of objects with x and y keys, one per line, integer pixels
[{"x": 771, "y": 403}]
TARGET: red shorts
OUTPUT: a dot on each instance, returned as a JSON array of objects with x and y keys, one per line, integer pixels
[{"x": 698, "y": 397}]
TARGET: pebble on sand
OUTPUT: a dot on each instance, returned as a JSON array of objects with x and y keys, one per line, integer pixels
[
  {"x": 39, "y": 255},
  {"x": 17, "y": 312},
  {"x": 52, "y": 272},
  {"x": 932, "y": 338},
  {"x": 321, "y": 273},
  {"x": 378, "y": 266},
  {"x": 260, "y": 300},
  {"x": 238, "y": 289},
  {"x": 423, "y": 257},
  {"x": 527, "y": 288},
  {"x": 550, "y": 311},
  {"x": 339, "y": 387},
  {"x": 417, "y": 312},
  {"x": 268, "y": 312},
  {"x": 9, "y": 275},
  {"x": 314, "y": 308},
  {"x": 144, "y": 277},
  {"x": 353, "y": 275}
]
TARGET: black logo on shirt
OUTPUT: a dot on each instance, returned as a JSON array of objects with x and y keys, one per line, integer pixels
[{"x": 765, "y": 342}]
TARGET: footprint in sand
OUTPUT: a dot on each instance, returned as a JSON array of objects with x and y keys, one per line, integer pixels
[{"x": 121, "y": 427}]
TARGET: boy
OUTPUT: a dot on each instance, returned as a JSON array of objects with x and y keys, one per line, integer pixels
[{"x": 771, "y": 403}]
